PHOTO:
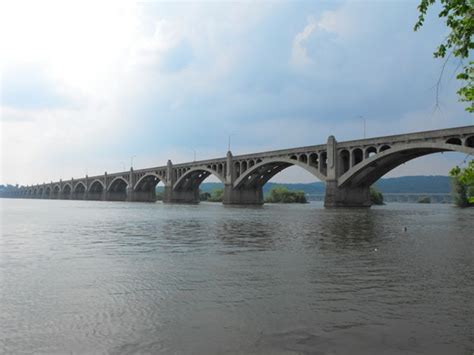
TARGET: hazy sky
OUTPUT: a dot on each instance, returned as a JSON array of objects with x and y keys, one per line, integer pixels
[{"x": 87, "y": 84}]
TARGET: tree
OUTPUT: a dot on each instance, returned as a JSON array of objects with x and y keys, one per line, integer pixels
[
  {"x": 281, "y": 194},
  {"x": 204, "y": 196},
  {"x": 459, "y": 15},
  {"x": 424, "y": 199},
  {"x": 216, "y": 195},
  {"x": 463, "y": 184},
  {"x": 376, "y": 196}
]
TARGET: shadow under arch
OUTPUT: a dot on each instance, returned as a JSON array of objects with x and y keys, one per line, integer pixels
[
  {"x": 186, "y": 187},
  {"x": 145, "y": 188},
  {"x": 192, "y": 178},
  {"x": 259, "y": 174},
  {"x": 79, "y": 191},
  {"x": 117, "y": 190},
  {"x": 370, "y": 170},
  {"x": 96, "y": 190},
  {"x": 67, "y": 191},
  {"x": 56, "y": 191}
]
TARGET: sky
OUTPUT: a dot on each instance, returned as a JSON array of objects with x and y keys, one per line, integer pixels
[{"x": 87, "y": 85}]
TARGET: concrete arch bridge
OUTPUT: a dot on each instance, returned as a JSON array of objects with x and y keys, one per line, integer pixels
[{"x": 348, "y": 168}]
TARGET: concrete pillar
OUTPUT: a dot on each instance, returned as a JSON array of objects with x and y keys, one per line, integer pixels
[
  {"x": 241, "y": 196},
  {"x": 346, "y": 196},
  {"x": 143, "y": 196},
  {"x": 105, "y": 194},
  {"x": 229, "y": 170},
  {"x": 130, "y": 193},
  {"x": 180, "y": 196},
  {"x": 341, "y": 196},
  {"x": 332, "y": 158},
  {"x": 177, "y": 196},
  {"x": 86, "y": 192}
]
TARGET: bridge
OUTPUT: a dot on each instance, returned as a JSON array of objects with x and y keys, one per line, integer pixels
[{"x": 348, "y": 168}]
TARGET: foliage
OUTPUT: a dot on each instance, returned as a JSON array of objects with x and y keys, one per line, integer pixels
[
  {"x": 459, "y": 15},
  {"x": 216, "y": 195},
  {"x": 463, "y": 184},
  {"x": 376, "y": 196},
  {"x": 281, "y": 194},
  {"x": 204, "y": 196},
  {"x": 8, "y": 190},
  {"x": 424, "y": 199}
]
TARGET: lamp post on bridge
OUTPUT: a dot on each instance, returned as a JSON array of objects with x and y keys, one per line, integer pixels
[
  {"x": 131, "y": 161},
  {"x": 228, "y": 141}
]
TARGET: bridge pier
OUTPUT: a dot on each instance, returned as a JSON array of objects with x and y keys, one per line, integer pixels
[
  {"x": 242, "y": 196},
  {"x": 180, "y": 196},
  {"x": 140, "y": 196},
  {"x": 346, "y": 196}
]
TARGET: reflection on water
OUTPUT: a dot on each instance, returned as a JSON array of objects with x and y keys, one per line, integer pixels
[{"x": 84, "y": 277}]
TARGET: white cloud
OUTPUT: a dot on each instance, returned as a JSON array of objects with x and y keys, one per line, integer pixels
[
  {"x": 299, "y": 54},
  {"x": 141, "y": 78}
]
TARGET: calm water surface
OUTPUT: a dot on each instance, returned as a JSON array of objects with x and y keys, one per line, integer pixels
[{"x": 125, "y": 278}]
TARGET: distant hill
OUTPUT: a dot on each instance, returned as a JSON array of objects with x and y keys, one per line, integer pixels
[
  {"x": 415, "y": 184},
  {"x": 404, "y": 184}
]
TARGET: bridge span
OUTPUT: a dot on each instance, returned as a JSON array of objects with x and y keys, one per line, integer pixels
[{"x": 348, "y": 168}]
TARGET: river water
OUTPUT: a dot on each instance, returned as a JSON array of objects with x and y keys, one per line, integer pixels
[{"x": 112, "y": 277}]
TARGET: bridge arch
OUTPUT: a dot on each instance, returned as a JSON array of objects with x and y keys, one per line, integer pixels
[
  {"x": 56, "y": 191},
  {"x": 145, "y": 188},
  {"x": 374, "y": 167},
  {"x": 146, "y": 180},
  {"x": 96, "y": 190},
  {"x": 117, "y": 190},
  {"x": 259, "y": 174},
  {"x": 192, "y": 178},
  {"x": 469, "y": 142},
  {"x": 67, "y": 191},
  {"x": 47, "y": 191},
  {"x": 79, "y": 191}
]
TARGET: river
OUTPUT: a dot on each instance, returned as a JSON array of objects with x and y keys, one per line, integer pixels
[{"x": 127, "y": 278}]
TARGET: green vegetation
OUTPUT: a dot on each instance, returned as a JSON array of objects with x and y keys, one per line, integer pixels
[
  {"x": 204, "y": 196},
  {"x": 459, "y": 15},
  {"x": 281, "y": 194},
  {"x": 216, "y": 195},
  {"x": 424, "y": 199},
  {"x": 376, "y": 196},
  {"x": 463, "y": 185}
]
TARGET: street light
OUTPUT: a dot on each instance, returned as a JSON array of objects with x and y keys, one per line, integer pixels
[
  {"x": 228, "y": 142},
  {"x": 194, "y": 154},
  {"x": 131, "y": 161}
]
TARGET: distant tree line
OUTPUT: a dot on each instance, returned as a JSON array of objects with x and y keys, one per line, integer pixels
[
  {"x": 8, "y": 190},
  {"x": 281, "y": 194}
]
